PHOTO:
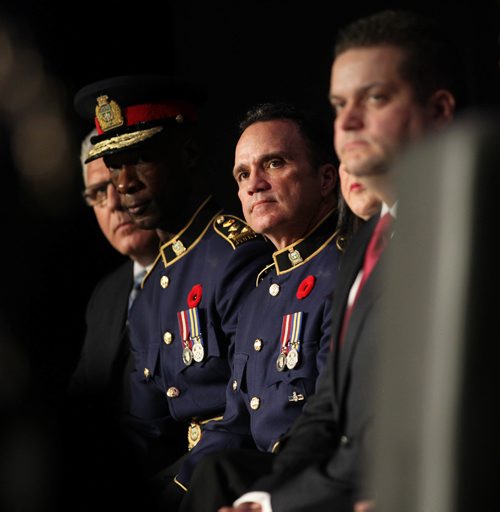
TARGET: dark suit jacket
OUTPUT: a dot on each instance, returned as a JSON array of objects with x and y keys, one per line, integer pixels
[
  {"x": 99, "y": 465},
  {"x": 102, "y": 373},
  {"x": 319, "y": 465}
]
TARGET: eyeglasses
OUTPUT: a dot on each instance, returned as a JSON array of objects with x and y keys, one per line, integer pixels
[{"x": 96, "y": 194}]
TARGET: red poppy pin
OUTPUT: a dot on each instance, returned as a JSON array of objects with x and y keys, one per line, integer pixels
[
  {"x": 194, "y": 296},
  {"x": 305, "y": 287}
]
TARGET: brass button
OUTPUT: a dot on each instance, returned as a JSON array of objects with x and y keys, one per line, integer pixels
[
  {"x": 220, "y": 219},
  {"x": 147, "y": 373},
  {"x": 274, "y": 289},
  {"x": 168, "y": 337},
  {"x": 344, "y": 440},
  {"x": 235, "y": 385},
  {"x": 257, "y": 345},
  {"x": 255, "y": 403},
  {"x": 164, "y": 281},
  {"x": 173, "y": 392}
]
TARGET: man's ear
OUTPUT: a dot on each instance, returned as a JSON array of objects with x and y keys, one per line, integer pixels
[
  {"x": 328, "y": 176},
  {"x": 441, "y": 107}
]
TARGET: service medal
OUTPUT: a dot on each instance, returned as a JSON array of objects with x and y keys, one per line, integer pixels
[
  {"x": 281, "y": 362},
  {"x": 187, "y": 356},
  {"x": 292, "y": 359},
  {"x": 198, "y": 352}
]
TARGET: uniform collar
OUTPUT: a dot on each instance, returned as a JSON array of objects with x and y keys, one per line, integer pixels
[
  {"x": 188, "y": 237},
  {"x": 304, "y": 249}
]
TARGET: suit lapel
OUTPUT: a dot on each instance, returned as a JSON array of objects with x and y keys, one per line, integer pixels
[
  {"x": 367, "y": 300},
  {"x": 110, "y": 340},
  {"x": 351, "y": 263},
  {"x": 365, "y": 304}
]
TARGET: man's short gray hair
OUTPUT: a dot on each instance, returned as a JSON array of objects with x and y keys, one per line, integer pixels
[{"x": 84, "y": 152}]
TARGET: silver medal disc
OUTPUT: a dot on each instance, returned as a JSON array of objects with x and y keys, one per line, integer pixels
[
  {"x": 281, "y": 362},
  {"x": 187, "y": 356},
  {"x": 198, "y": 352},
  {"x": 292, "y": 359}
]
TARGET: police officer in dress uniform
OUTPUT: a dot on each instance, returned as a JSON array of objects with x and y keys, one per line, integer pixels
[
  {"x": 288, "y": 187},
  {"x": 182, "y": 323}
]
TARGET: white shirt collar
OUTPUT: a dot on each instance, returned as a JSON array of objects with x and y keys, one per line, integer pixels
[
  {"x": 388, "y": 209},
  {"x": 139, "y": 270}
]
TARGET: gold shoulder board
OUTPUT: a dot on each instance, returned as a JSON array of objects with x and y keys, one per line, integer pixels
[{"x": 234, "y": 230}]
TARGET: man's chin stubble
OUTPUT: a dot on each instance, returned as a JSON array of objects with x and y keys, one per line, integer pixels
[{"x": 366, "y": 167}]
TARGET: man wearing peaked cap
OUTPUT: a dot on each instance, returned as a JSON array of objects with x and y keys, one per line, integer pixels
[
  {"x": 129, "y": 110},
  {"x": 183, "y": 322}
]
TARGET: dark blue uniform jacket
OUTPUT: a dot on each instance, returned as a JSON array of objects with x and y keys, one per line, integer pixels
[
  {"x": 204, "y": 272},
  {"x": 294, "y": 293}
]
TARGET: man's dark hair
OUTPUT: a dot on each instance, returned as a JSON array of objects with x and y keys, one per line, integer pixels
[
  {"x": 317, "y": 134},
  {"x": 433, "y": 60}
]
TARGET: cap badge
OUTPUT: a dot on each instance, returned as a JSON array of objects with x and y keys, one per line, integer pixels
[{"x": 108, "y": 114}]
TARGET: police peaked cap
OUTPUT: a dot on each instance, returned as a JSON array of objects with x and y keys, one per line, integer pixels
[{"x": 129, "y": 110}]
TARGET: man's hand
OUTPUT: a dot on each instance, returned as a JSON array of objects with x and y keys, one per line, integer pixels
[{"x": 364, "y": 506}]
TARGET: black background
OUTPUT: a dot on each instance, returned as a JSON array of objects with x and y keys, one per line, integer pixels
[{"x": 244, "y": 52}]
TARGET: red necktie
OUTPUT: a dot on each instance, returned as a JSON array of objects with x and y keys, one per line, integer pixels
[{"x": 378, "y": 242}]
